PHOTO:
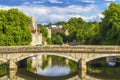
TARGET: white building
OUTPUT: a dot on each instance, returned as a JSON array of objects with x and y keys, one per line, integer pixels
[{"x": 55, "y": 26}]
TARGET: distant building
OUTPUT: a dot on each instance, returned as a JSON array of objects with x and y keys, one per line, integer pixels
[
  {"x": 37, "y": 37},
  {"x": 55, "y": 26},
  {"x": 61, "y": 30},
  {"x": 35, "y": 31},
  {"x": 49, "y": 32},
  {"x": 58, "y": 28}
]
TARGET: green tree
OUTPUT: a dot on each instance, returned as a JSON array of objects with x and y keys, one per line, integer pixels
[
  {"x": 56, "y": 38},
  {"x": 110, "y": 26},
  {"x": 49, "y": 40},
  {"x": 93, "y": 33},
  {"x": 44, "y": 31},
  {"x": 64, "y": 37},
  {"x": 14, "y": 28},
  {"x": 77, "y": 28}
]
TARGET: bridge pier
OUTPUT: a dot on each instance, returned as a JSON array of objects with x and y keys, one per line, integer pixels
[
  {"x": 82, "y": 68},
  {"x": 12, "y": 68},
  {"x": 12, "y": 65}
]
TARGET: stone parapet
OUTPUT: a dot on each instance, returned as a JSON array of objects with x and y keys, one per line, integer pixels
[{"x": 65, "y": 49}]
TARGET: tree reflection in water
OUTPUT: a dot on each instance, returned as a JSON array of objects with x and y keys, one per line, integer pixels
[
  {"x": 101, "y": 69},
  {"x": 51, "y": 65}
]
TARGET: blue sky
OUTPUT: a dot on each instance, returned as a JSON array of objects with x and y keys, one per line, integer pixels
[{"x": 51, "y": 11}]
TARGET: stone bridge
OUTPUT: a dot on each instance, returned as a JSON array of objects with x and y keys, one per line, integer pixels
[{"x": 80, "y": 54}]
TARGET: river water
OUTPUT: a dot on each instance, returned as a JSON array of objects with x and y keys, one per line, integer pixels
[{"x": 47, "y": 67}]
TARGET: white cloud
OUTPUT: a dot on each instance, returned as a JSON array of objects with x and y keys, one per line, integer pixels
[
  {"x": 89, "y": 1},
  {"x": 4, "y": 7},
  {"x": 110, "y": 0},
  {"x": 26, "y": 3},
  {"x": 37, "y": 2},
  {"x": 33, "y": 3},
  {"x": 54, "y": 14},
  {"x": 101, "y": 15},
  {"x": 96, "y": 17},
  {"x": 55, "y": 1}
]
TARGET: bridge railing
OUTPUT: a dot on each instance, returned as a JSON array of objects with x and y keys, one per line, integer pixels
[{"x": 82, "y": 48}]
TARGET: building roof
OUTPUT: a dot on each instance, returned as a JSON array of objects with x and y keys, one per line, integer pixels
[
  {"x": 34, "y": 30},
  {"x": 61, "y": 30}
]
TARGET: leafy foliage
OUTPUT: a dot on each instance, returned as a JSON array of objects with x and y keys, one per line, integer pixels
[
  {"x": 110, "y": 26},
  {"x": 56, "y": 38},
  {"x": 14, "y": 28},
  {"x": 95, "y": 33},
  {"x": 44, "y": 31}
]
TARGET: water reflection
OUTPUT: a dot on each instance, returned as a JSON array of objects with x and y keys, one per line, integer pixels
[
  {"x": 58, "y": 70},
  {"x": 51, "y": 65},
  {"x": 3, "y": 69},
  {"x": 26, "y": 75},
  {"x": 104, "y": 69}
]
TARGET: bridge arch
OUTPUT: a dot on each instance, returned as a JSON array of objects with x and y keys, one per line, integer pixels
[
  {"x": 54, "y": 54},
  {"x": 3, "y": 59},
  {"x": 100, "y": 56}
]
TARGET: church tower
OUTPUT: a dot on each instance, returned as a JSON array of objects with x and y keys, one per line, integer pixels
[
  {"x": 33, "y": 23},
  {"x": 49, "y": 32},
  {"x": 36, "y": 35}
]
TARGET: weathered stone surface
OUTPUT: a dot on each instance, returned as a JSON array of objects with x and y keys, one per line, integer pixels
[{"x": 83, "y": 52}]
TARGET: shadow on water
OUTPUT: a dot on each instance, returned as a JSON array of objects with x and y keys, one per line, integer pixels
[
  {"x": 103, "y": 69},
  {"x": 97, "y": 69},
  {"x": 104, "y": 77},
  {"x": 42, "y": 67},
  {"x": 32, "y": 76}
]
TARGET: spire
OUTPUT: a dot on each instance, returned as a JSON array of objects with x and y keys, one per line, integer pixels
[{"x": 34, "y": 24}]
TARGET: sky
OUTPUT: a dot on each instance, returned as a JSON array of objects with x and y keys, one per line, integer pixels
[{"x": 52, "y": 11}]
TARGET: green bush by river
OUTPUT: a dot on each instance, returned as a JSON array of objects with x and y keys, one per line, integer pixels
[{"x": 3, "y": 69}]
